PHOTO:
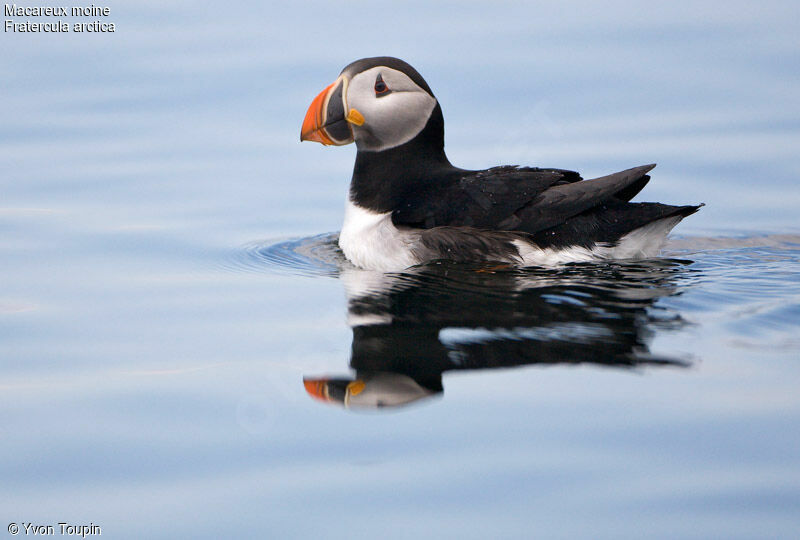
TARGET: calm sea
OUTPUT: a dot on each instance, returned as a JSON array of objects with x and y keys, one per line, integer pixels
[{"x": 171, "y": 294}]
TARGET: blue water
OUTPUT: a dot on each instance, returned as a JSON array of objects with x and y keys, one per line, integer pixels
[{"x": 170, "y": 283}]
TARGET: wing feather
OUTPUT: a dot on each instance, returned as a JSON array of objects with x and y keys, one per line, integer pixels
[
  {"x": 511, "y": 198},
  {"x": 481, "y": 199}
]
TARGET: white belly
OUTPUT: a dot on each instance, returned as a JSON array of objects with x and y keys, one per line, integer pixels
[{"x": 371, "y": 241}]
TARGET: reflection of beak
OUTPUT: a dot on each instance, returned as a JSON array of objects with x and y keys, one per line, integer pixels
[
  {"x": 369, "y": 391},
  {"x": 326, "y": 121},
  {"x": 334, "y": 390},
  {"x": 317, "y": 388}
]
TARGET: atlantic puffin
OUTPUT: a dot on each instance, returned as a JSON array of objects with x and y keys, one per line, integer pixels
[{"x": 409, "y": 205}]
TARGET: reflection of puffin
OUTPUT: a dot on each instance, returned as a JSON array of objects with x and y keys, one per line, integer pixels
[
  {"x": 408, "y": 329},
  {"x": 409, "y": 205}
]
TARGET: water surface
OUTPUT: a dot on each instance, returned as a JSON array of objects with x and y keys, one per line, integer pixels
[{"x": 171, "y": 293}]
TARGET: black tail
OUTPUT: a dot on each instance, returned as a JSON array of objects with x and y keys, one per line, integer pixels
[{"x": 608, "y": 223}]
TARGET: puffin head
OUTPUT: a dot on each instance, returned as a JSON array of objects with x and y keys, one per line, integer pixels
[{"x": 379, "y": 103}]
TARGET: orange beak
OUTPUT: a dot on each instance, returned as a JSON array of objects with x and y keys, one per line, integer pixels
[
  {"x": 325, "y": 120},
  {"x": 312, "y": 129}
]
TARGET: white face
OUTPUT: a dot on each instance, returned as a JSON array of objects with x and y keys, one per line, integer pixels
[{"x": 391, "y": 118}]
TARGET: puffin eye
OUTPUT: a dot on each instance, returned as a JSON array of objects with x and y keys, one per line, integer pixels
[{"x": 380, "y": 87}]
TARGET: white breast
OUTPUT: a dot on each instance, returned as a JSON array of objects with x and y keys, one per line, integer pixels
[{"x": 371, "y": 241}]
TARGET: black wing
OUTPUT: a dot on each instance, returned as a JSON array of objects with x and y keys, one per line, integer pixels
[
  {"x": 481, "y": 199},
  {"x": 515, "y": 199}
]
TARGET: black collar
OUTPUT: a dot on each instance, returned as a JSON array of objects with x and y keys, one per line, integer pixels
[{"x": 382, "y": 180}]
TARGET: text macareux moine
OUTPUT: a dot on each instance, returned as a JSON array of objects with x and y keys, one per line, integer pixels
[{"x": 13, "y": 10}]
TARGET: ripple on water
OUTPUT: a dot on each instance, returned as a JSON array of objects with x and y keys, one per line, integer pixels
[
  {"x": 313, "y": 256},
  {"x": 750, "y": 289},
  {"x": 320, "y": 256},
  {"x": 743, "y": 278}
]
